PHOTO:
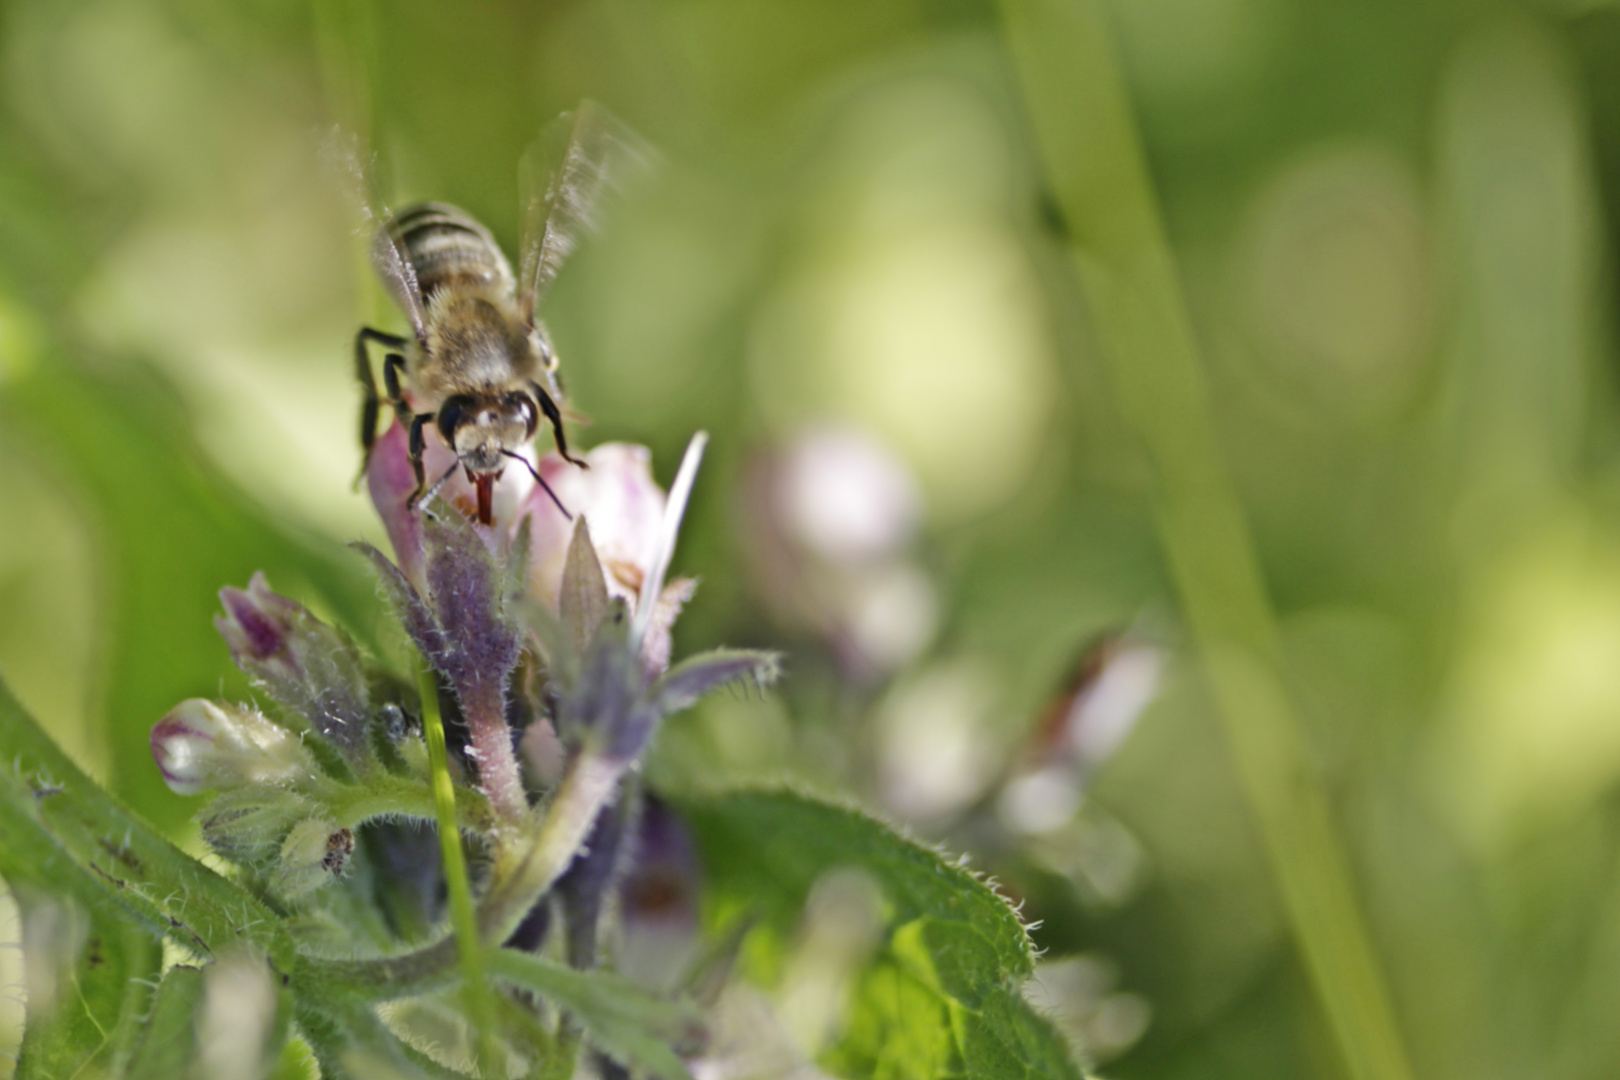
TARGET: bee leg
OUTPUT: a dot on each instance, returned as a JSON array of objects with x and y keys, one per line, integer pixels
[
  {"x": 369, "y": 403},
  {"x": 548, "y": 405},
  {"x": 418, "y": 445},
  {"x": 393, "y": 368}
]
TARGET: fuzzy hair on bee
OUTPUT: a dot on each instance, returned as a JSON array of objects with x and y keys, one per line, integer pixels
[{"x": 479, "y": 365}]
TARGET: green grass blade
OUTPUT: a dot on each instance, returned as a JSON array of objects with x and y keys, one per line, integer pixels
[{"x": 1082, "y": 118}]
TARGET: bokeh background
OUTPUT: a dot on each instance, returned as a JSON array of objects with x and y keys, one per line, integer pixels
[{"x": 1393, "y": 221}]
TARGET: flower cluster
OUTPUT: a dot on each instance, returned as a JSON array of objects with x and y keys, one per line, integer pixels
[{"x": 547, "y": 628}]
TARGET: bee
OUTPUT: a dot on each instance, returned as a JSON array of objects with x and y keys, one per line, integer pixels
[{"x": 479, "y": 362}]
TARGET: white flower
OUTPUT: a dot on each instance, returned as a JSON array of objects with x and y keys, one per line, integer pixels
[{"x": 633, "y": 527}]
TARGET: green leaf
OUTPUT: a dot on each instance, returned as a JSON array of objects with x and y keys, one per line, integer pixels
[
  {"x": 170, "y": 530},
  {"x": 100, "y": 994},
  {"x": 994, "y": 1032},
  {"x": 620, "y": 1018},
  {"x": 169, "y": 1042},
  {"x": 941, "y": 996},
  {"x": 64, "y": 833},
  {"x": 768, "y": 847}
]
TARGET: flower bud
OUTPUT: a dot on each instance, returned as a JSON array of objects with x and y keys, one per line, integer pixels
[
  {"x": 833, "y": 518},
  {"x": 201, "y": 745},
  {"x": 306, "y": 665},
  {"x": 659, "y": 899},
  {"x": 248, "y": 824},
  {"x": 314, "y": 854}
]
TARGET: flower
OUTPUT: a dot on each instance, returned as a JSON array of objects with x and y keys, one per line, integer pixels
[
  {"x": 625, "y": 508},
  {"x": 615, "y": 493},
  {"x": 390, "y": 480},
  {"x": 832, "y": 520},
  {"x": 201, "y": 745},
  {"x": 1114, "y": 680}
]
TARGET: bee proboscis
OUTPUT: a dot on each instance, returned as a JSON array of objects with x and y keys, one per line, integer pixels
[{"x": 479, "y": 363}]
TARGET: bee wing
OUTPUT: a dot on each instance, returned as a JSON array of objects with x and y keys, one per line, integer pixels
[
  {"x": 579, "y": 157},
  {"x": 359, "y": 176}
]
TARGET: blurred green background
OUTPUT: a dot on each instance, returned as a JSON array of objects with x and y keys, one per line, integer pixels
[{"x": 1392, "y": 221}]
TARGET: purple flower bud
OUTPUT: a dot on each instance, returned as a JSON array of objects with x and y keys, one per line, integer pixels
[
  {"x": 584, "y": 891},
  {"x": 658, "y": 899},
  {"x": 258, "y": 626},
  {"x": 201, "y": 745},
  {"x": 311, "y": 668},
  {"x": 845, "y": 497},
  {"x": 1112, "y": 684},
  {"x": 461, "y": 624}
]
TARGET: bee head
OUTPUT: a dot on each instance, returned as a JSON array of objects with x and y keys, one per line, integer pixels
[{"x": 480, "y": 428}]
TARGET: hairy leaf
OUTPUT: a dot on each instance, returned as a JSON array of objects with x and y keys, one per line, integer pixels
[
  {"x": 90, "y": 996},
  {"x": 620, "y": 1018},
  {"x": 63, "y": 832},
  {"x": 940, "y": 999},
  {"x": 169, "y": 1038}
]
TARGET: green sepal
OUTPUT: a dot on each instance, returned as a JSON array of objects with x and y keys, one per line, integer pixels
[{"x": 248, "y": 824}]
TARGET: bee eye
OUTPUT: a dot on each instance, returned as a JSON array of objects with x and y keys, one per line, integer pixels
[
  {"x": 451, "y": 414},
  {"x": 522, "y": 406}
]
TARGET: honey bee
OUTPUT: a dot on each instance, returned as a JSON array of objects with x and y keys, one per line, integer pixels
[{"x": 480, "y": 364}]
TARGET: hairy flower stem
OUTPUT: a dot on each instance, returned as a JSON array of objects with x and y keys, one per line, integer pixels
[
  {"x": 491, "y": 749},
  {"x": 392, "y": 797},
  {"x": 463, "y": 917},
  {"x": 589, "y": 785}
]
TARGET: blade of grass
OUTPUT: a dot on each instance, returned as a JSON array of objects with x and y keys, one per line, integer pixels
[
  {"x": 463, "y": 916},
  {"x": 1082, "y": 119}
]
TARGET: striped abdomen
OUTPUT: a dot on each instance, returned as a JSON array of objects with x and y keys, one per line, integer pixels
[{"x": 447, "y": 248}]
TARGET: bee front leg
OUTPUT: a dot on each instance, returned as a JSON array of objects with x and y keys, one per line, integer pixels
[{"x": 548, "y": 405}]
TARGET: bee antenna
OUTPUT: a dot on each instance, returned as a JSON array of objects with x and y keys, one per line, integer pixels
[{"x": 534, "y": 472}]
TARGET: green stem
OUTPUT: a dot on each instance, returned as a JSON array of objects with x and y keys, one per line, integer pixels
[
  {"x": 381, "y": 795},
  {"x": 463, "y": 916},
  {"x": 589, "y": 785},
  {"x": 1082, "y": 118}
]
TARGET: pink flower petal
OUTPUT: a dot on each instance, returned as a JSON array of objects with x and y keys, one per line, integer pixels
[{"x": 624, "y": 505}]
